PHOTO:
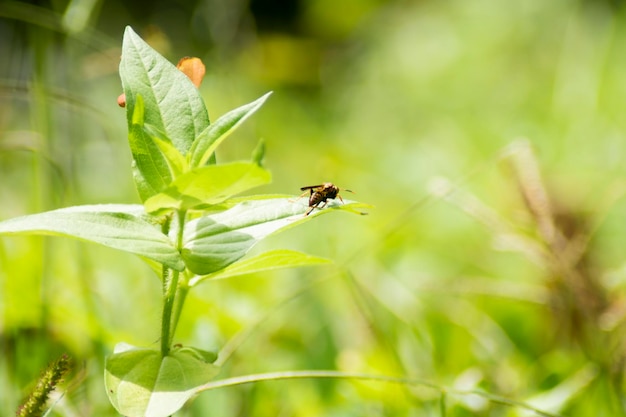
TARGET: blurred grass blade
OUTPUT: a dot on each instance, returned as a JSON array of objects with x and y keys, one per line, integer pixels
[
  {"x": 210, "y": 184},
  {"x": 118, "y": 226},
  {"x": 267, "y": 261},
  {"x": 208, "y": 141}
]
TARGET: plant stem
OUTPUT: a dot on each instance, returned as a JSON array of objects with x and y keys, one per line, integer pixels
[
  {"x": 170, "y": 291},
  {"x": 274, "y": 376},
  {"x": 183, "y": 290},
  {"x": 168, "y": 303}
]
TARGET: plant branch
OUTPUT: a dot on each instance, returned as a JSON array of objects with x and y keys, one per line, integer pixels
[
  {"x": 181, "y": 296},
  {"x": 273, "y": 376},
  {"x": 169, "y": 295},
  {"x": 168, "y": 303}
]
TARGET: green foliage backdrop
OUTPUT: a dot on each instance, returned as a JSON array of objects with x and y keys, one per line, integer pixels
[{"x": 490, "y": 135}]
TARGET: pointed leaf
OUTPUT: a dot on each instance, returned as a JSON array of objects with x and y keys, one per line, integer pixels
[
  {"x": 119, "y": 226},
  {"x": 151, "y": 171},
  {"x": 172, "y": 103},
  {"x": 213, "y": 242},
  {"x": 208, "y": 141},
  {"x": 267, "y": 261},
  {"x": 210, "y": 184},
  {"x": 176, "y": 162},
  {"x": 259, "y": 153},
  {"x": 140, "y": 382}
]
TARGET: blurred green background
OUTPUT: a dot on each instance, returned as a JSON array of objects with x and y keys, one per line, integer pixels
[{"x": 489, "y": 135}]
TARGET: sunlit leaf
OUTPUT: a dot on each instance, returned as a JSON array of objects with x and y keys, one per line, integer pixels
[
  {"x": 210, "y": 184},
  {"x": 172, "y": 103},
  {"x": 140, "y": 382},
  {"x": 208, "y": 141},
  {"x": 151, "y": 171},
  {"x": 217, "y": 240},
  {"x": 176, "y": 162},
  {"x": 267, "y": 261},
  {"x": 118, "y": 226},
  {"x": 259, "y": 153}
]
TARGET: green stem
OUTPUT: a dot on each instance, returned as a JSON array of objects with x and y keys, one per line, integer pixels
[
  {"x": 274, "y": 376},
  {"x": 183, "y": 290},
  {"x": 170, "y": 291},
  {"x": 166, "y": 322}
]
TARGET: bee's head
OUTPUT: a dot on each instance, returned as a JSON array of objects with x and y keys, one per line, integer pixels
[{"x": 330, "y": 189}]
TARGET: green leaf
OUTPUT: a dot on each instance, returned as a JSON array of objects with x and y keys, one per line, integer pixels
[
  {"x": 176, "y": 162},
  {"x": 208, "y": 141},
  {"x": 212, "y": 242},
  {"x": 139, "y": 382},
  {"x": 173, "y": 105},
  {"x": 119, "y": 226},
  {"x": 151, "y": 171},
  {"x": 259, "y": 153},
  {"x": 267, "y": 261},
  {"x": 210, "y": 184}
]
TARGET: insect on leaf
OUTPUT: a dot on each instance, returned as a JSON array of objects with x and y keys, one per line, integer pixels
[{"x": 215, "y": 241}]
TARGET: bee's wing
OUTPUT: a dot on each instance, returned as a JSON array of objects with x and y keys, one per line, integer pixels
[{"x": 310, "y": 187}]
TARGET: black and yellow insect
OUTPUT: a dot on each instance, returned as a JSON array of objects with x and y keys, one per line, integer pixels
[{"x": 320, "y": 194}]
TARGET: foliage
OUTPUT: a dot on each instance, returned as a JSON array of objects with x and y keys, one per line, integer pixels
[
  {"x": 199, "y": 229},
  {"x": 429, "y": 110}
]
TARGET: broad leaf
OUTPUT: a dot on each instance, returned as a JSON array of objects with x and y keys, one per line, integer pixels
[
  {"x": 140, "y": 382},
  {"x": 213, "y": 242},
  {"x": 173, "y": 105},
  {"x": 210, "y": 184},
  {"x": 119, "y": 226},
  {"x": 267, "y": 261},
  {"x": 208, "y": 141}
]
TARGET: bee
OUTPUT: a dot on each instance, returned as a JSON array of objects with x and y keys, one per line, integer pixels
[{"x": 320, "y": 194}]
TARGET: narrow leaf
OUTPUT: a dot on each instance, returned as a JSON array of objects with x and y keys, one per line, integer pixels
[
  {"x": 176, "y": 162},
  {"x": 210, "y": 184},
  {"x": 208, "y": 141},
  {"x": 267, "y": 261},
  {"x": 151, "y": 171},
  {"x": 215, "y": 241},
  {"x": 140, "y": 382},
  {"x": 118, "y": 226},
  {"x": 259, "y": 153}
]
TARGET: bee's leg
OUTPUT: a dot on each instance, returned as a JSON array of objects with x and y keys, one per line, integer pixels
[
  {"x": 313, "y": 207},
  {"x": 291, "y": 200},
  {"x": 341, "y": 199},
  {"x": 316, "y": 206}
]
